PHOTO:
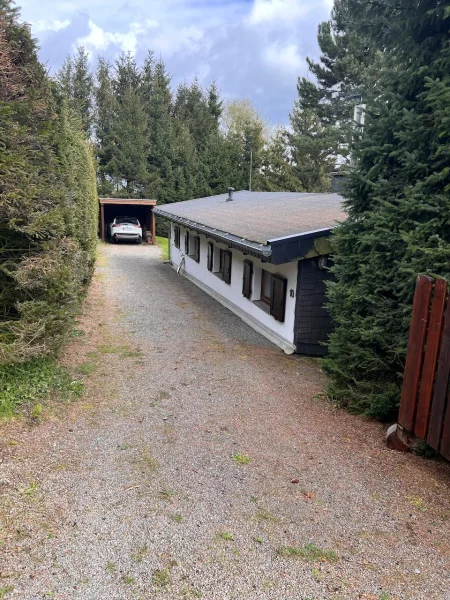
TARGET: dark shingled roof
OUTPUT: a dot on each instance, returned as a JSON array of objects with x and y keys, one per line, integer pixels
[{"x": 261, "y": 216}]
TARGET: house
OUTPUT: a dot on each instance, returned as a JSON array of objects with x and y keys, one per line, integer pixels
[{"x": 263, "y": 255}]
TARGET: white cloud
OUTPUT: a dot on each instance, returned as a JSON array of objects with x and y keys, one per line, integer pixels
[
  {"x": 276, "y": 11},
  {"x": 252, "y": 48},
  {"x": 49, "y": 25},
  {"x": 99, "y": 39},
  {"x": 284, "y": 58},
  {"x": 187, "y": 39}
]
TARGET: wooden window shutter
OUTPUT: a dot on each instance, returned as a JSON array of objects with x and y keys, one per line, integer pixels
[
  {"x": 197, "y": 248},
  {"x": 278, "y": 299},
  {"x": 177, "y": 237},
  {"x": 247, "y": 279},
  {"x": 227, "y": 266},
  {"x": 186, "y": 242},
  {"x": 210, "y": 256}
]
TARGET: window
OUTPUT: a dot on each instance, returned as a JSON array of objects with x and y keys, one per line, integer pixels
[
  {"x": 278, "y": 300},
  {"x": 196, "y": 253},
  {"x": 225, "y": 265},
  {"x": 266, "y": 286},
  {"x": 247, "y": 279},
  {"x": 177, "y": 237},
  {"x": 127, "y": 220},
  {"x": 210, "y": 257},
  {"x": 186, "y": 242},
  {"x": 273, "y": 293}
]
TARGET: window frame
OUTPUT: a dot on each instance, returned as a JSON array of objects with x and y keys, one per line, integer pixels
[
  {"x": 279, "y": 280},
  {"x": 196, "y": 254},
  {"x": 266, "y": 299},
  {"x": 210, "y": 258},
  {"x": 247, "y": 290},
  {"x": 224, "y": 253},
  {"x": 177, "y": 237},
  {"x": 187, "y": 242}
]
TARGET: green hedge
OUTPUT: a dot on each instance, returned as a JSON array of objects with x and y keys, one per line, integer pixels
[{"x": 48, "y": 202}]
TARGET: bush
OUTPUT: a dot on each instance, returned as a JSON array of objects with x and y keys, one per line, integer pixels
[{"x": 48, "y": 202}]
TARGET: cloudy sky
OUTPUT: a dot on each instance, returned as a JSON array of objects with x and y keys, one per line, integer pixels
[{"x": 251, "y": 48}]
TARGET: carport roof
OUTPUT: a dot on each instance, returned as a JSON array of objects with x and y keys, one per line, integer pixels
[
  {"x": 136, "y": 201},
  {"x": 260, "y": 217}
]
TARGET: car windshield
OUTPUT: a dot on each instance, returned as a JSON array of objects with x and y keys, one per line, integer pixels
[{"x": 130, "y": 220}]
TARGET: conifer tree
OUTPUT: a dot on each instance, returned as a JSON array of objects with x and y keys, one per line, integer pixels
[
  {"x": 278, "y": 171},
  {"x": 106, "y": 107},
  {"x": 77, "y": 84},
  {"x": 83, "y": 88},
  {"x": 246, "y": 137},
  {"x": 398, "y": 204},
  {"x": 323, "y": 115},
  {"x": 160, "y": 131},
  {"x": 310, "y": 143},
  {"x": 127, "y": 75},
  {"x": 129, "y": 154}
]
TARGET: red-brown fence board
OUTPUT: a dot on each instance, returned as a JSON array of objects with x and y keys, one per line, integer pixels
[
  {"x": 424, "y": 406},
  {"x": 414, "y": 357},
  {"x": 440, "y": 397},
  {"x": 430, "y": 359},
  {"x": 445, "y": 438}
]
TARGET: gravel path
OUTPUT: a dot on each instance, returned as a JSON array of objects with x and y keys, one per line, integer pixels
[{"x": 204, "y": 463}]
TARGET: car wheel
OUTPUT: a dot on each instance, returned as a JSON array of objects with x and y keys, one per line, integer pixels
[
  {"x": 139, "y": 240},
  {"x": 112, "y": 239}
]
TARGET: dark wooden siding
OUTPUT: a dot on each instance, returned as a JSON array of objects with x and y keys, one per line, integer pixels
[{"x": 312, "y": 321}]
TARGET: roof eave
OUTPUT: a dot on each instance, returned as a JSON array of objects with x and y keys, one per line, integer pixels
[{"x": 297, "y": 246}]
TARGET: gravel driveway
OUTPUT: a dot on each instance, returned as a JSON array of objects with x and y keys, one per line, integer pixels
[{"x": 204, "y": 463}]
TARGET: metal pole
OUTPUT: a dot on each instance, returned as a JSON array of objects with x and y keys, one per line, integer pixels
[{"x": 251, "y": 168}]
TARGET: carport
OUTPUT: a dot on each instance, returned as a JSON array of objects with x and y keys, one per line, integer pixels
[{"x": 128, "y": 207}]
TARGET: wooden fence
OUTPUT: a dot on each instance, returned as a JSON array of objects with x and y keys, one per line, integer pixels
[{"x": 424, "y": 406}]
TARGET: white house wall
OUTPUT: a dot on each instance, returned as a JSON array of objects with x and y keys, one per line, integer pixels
[{"x": 231, "y": 296}]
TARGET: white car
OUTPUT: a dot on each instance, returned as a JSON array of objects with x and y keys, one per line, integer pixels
[{"x": 125, "y": 228}]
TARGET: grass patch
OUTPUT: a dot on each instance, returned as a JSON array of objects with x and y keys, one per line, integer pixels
[
  {"x": 122, "y": 351},
  {"x": 77, "y": 333},
  {"x": 5, "y": 589},
  {"x": 225, "y": 535},
  {"x": 310, "y": 552},
  {"x": 87, "y": 368},
  {"x": 139, "y": 553},
  {"x": 111, "y": 567},
  {"x": 265, "y": 515},
  {"x": 417, "y": 502},
  {"x": 128, "y": 580},
  {"x": 163, "y": 243},
  {"x": 161, "y": 578},
  {"x": 149, "y": 461},
  {"x": 240, "y": 459},
  {"x": 30, "y": 491},
  {"x": 167, "y": 495},
  {"x": 176, "y": 517},
  {"x": 191, "y": 592},
  {"x": 24, "y": 385}
]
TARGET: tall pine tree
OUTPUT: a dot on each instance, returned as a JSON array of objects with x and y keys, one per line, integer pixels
[
  {"x": 77, "y": 84},
  {"x": 106, "y": 107},
  {"x": 398, "y": 203}
]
